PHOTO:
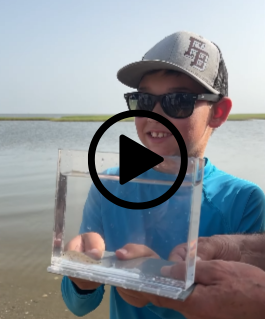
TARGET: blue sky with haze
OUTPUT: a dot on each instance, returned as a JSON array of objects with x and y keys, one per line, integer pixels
[{"x": 62, "y": 56}]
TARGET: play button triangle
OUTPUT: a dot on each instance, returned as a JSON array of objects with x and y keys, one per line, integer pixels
[{"x": 135, "y": 159}]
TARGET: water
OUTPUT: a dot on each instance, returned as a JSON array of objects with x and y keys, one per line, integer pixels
[
  {"x": 29, "y": 150},
  {"x": 117, "y": 178},
  {"x": 28, "y": 162}
]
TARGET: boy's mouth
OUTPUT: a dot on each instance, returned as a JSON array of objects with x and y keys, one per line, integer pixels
[{"x": 158, "y": 135}]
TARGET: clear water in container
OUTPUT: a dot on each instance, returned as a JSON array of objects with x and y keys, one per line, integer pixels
[{"x": 80, "y": 209}]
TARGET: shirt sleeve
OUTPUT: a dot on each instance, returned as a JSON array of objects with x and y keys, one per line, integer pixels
[
  {"x": 79, "y": 304},
  {"x": 253, "y": 219},
  {"x": 82, "y": 304},
  {"x": 164, "y": 313}
]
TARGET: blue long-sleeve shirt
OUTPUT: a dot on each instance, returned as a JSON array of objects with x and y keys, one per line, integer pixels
[{"x": 229, "y": 205}]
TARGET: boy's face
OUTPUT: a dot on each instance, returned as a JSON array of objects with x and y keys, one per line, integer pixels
[{"x": 194, "y": 129}]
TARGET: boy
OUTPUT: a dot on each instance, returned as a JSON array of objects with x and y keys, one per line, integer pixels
[{"x": 184, "y": 79}]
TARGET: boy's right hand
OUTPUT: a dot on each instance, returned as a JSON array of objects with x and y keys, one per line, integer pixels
[{"x": 93, "y": 245}]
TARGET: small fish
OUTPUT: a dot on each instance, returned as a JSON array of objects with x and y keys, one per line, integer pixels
[{"x": 79, "y": 257}]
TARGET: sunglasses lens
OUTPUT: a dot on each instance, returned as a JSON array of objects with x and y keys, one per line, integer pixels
[
  {"x": 178, "y": 105},
  {"x": 133, "y": 101},
  {"x": 140, "y": 101}
]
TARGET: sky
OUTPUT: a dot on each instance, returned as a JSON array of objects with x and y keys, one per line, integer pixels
[{"x": 62, "y": 56}]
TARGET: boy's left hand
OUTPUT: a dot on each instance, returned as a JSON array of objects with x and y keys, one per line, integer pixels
[{"x": 130, "y": 251}]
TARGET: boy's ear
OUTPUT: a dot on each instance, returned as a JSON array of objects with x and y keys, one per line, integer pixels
[{"x": 220, "y": 112}]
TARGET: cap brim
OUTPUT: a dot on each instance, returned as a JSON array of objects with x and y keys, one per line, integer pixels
[{"x": 132, "y": 74}]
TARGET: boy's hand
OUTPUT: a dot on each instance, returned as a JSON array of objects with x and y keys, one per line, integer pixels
[
  {"x": 93, "y": 245},
  {"x": 131, "y": 251}
]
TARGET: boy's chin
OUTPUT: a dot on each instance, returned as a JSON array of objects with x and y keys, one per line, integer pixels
[{"x": 165, "y": 153}]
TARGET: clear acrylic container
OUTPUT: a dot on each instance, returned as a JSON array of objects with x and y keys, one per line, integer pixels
[{"x": 81, "y": 209}]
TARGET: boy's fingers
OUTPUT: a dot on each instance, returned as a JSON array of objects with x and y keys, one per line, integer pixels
[
  {"x": 134, "y": 298},
  {"x": 94, "y": 244},
  {"x": 75, "y": 244},
  {"x": 177, "y": 271},
  {"x": 91, "y": 244},
  {"x": 178, "y": 253},
  {"x": 131, "y": 251},
  {"x": 84, "y": 284}
]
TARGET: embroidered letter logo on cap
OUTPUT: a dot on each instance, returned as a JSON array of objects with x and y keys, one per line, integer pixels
[{"x": 197, "y": 54}]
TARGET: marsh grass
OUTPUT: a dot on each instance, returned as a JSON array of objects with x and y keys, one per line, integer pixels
[
  {"x": 87, "y": 118},
  {"x": 244, "y": 117},
  {"x": 103, "y": 118},
  {"x": 81, "y": 118}
]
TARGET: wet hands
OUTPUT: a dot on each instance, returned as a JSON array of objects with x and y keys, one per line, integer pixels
[{"x": 93, "y": 245}]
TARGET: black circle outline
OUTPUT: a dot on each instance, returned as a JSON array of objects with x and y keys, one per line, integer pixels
[{"x": 92, "y": 167}]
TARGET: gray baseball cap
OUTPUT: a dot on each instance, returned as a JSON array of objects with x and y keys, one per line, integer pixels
[{"x": 185, "y": 52}]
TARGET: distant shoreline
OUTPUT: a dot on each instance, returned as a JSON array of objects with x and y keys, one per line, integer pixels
[
  {"x": 81, "y": 118},
  {"x": 103, "y": 118}
]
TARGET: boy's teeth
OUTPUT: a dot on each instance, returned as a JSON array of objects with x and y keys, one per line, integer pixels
[{"x": 160, "y": 134}]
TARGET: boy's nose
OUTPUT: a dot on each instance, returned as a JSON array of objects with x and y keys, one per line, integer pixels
[{"x": 157, "y": 109}]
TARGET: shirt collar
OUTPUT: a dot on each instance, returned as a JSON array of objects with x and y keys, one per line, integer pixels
[
  {"x": 154, "y": 174},
  {"x": 208, "y": 167}
]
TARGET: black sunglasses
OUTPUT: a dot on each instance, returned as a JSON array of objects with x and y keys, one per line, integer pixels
[{"x": 176, "y": 105}]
